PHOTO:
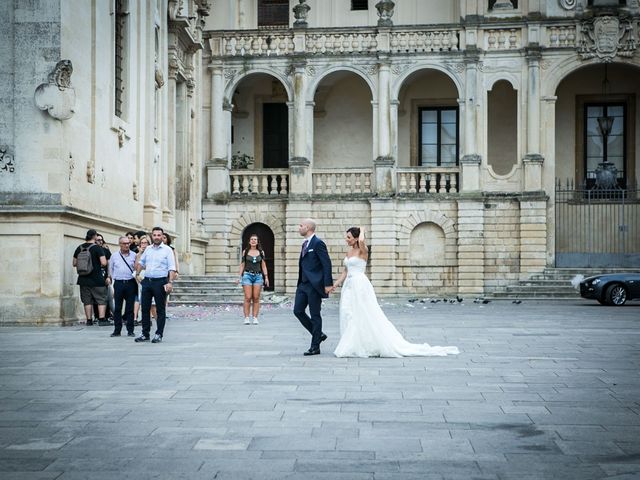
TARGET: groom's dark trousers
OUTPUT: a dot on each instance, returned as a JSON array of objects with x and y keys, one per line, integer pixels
[{"x": 307, "y": 295}]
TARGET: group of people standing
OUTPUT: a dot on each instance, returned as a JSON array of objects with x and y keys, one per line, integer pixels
[{"x": 139, "y": 275}]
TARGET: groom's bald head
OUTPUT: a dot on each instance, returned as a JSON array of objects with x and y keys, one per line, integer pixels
[{"x": 310, "y": 223}]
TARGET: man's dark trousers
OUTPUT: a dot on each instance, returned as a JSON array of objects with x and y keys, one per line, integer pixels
[
  {"x": 307, "y": 295},
  {"x": 153, "y": 288},
  {"x": 124, "y": 291}
]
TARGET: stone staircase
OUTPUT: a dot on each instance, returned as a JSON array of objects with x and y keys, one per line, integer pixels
[
  {"x": 210, "y": 290},
  {"x": 552, "y": 283}
]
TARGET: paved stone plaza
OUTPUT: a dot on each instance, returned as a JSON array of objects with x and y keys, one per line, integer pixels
[{"x": 539, "y": 390}]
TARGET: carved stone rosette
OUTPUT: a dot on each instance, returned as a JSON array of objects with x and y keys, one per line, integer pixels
[
  {"x": 6, "y": 160},
  {"x": 568, "y": 4},
  {"x": 606, "y": 37}
]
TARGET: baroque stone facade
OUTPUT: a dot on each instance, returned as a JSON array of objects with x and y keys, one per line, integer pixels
[{"x": 442, "y": 127}]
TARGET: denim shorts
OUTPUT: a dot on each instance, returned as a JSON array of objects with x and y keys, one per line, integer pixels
[{"x": 249, "y": 278}]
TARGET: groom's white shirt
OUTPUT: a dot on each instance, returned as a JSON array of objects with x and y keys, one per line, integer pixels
[{"x": 309, "y": 239}]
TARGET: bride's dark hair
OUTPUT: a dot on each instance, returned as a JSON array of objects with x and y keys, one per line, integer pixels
[{"x": 354, "y": 231}]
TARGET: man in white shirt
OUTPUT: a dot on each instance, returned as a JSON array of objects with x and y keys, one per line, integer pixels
[
  {"x": 125, "y": 288},
  {"x": 159, "y": 265}
]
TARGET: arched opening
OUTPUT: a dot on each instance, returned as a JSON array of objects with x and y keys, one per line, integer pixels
[
  {"x": 267, "y": 242},
  {"x": 502, "y": 129},
  {"x": 597, "y": 215},
  {"x": 428, "y": 120},
  {"x": 342, "y": 122},
  {"x": 427, "y": 244},
  {"x": 581, "y": 147},
  {"x": 260, "y": 123}
]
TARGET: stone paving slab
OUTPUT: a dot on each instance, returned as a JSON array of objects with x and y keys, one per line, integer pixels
[{"x": 540, "y": 390}]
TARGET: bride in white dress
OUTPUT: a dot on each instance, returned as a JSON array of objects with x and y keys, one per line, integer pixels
[{"x": 365, "y": 330}]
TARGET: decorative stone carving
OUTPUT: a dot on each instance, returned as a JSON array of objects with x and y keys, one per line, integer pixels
[
  {"x": 300, "y": 12},
  {"x": 230, "y": 73},
  {"x": 607, "y": 36},
  {"x": 6, "y": 160},
  {"x": 159, "y": 77},
  {"x": 502, "y": 5},
  {"x": 399, "y": 68},
  {"x": 91, "y": 171},
  {"x": 385, "y": 12},
  {"x": 568, "y": 4},
  {"x": 372, "y": 69},
  {"x": 311, "y": 71},
  {"x": 135, "y": 190},
  {"x": 57, "y": 96}
]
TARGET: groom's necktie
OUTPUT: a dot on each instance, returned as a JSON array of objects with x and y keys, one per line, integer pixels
[{"x": 305, "y": 244}]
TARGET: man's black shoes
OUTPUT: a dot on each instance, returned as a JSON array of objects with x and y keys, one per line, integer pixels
[
  {"x": 131, "y": 334},
  {"x": 312, "y": 351},
  {"x": 103, "y": 322},
  {"x": 142, "y": 338},
  {"x": 115, "y": 334},
  {"x": 157, "y": 338},
  {"x": 323, "y": 337}
]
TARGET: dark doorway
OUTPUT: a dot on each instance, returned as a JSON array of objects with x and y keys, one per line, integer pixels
[
  {"x": 273, "y": 13},
  {"x": 275, "y": 135},
  {"x": 265, "y": 235}
]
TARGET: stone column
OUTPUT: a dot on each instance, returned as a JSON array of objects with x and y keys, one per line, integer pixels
[
  {"x": 169, "y": 165},
  {"x": 471, "y": 247},
  {"x": 299, "y": 165},
  {"x": 471, "y": 160},
  {"x": 533, "y": 160},
  {"x": 218, "y": 163},
  {"x": 384, "y": 164},
  {"x": 549, "y": 170}
]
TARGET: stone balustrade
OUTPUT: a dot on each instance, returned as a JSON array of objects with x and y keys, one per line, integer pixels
[
  {"x": 332, "y": 41},
  {"x": 562, "y": 36},
  {"x": 502, "y": 38},
  {"x": 344, "y": 181},
  {"x": 427, "y": 180},
  {"x": 262, "y": 182}
]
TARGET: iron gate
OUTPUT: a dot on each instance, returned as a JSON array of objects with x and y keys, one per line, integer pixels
[{"x": 597, "y": 228}]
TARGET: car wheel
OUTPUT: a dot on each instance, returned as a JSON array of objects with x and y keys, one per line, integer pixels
[{"x": 616, "y": 294}]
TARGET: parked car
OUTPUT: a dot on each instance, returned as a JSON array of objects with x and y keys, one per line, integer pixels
[{"x": 612, "y": 288}]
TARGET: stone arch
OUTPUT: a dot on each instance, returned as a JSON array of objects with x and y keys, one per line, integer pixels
[
  {"x": 427, "y": 245},
  {"x": 313, "y": 86},
  {"x": 235, "y": 81},
  {"x": 396, "y": 85},
  {"x": 409, "y": 224},
  {"x": 502, "y": 77},
  {"x": 565, "y": 66},
  {"x": 238, "y": 227}
]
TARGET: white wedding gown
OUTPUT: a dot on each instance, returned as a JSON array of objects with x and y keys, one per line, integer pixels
[{"x": 364, "y": 328}]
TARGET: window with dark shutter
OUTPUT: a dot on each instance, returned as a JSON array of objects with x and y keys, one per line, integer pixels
[
  {"x": 359, "y": 4},
  {"x": 273, "y": 13},
  {"x": 120, "y": 73}
]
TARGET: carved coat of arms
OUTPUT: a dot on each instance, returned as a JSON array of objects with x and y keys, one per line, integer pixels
[{"x": 607, "y": 36}]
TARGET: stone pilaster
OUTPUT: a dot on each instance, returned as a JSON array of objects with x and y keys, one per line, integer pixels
[
  {"x": 471, "y": 257},
  {"x": 218, "y": 163},
  {"x": 300, "y": 182},
  {"x": 533, "y": 236},
  {"x": 383, "y": 239},
  {"x": 533, "y": 160}
]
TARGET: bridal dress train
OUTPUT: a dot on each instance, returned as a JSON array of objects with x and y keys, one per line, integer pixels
[{"x": 364, "y": 328}]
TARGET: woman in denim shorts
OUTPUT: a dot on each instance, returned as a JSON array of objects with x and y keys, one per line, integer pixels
[{"x": 253, "y": 274}]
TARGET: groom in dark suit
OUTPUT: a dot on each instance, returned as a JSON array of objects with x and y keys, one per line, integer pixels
[{"x": 314, "y": 283}]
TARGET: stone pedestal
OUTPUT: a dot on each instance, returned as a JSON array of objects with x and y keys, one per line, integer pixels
[
  {"x": 533, "y": 172},
  {"x": 533, "y": 236},
  {"x": 218, "y": 184},
  {"x": 385, "y": 176},
  {"x": 470, "y": 173},
  {"x": 300, "y": 177}
]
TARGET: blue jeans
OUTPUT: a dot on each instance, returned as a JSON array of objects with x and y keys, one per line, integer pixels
[{"x": 249, "y": 278}]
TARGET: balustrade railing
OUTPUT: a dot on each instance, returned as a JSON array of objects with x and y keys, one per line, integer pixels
[
  {"x": 332, "y": 41},
  {"x": 341, "y": 181},
  {"x": 562, "y": 36},
  {"x": 346, "y": 181},
  {"x": 263, "y": 182},
  {"x": 427, "y": 180}
]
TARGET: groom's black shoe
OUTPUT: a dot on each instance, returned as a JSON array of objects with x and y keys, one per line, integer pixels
[
  {"x": 323, "y": 337},
  {"x": 312, "y": 351}
]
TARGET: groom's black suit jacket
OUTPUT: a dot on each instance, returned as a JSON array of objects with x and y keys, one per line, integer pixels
[{"x": 315, "y": 266}]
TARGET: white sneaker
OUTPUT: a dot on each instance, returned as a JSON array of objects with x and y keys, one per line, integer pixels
[
  {"x": 255, "y": 321},
  {"x": 247, "y": 321}
]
